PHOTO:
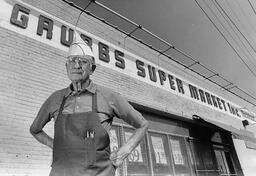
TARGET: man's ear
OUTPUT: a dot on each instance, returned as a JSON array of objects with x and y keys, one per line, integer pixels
[{"x": 93, "y": 67}]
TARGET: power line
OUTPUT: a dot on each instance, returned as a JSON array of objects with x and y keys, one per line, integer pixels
[
  {"x": 225, "y": 38},
  {"x": 237, "y": 44},
  {"x": 226, "y": 28},
  {"x": 252, "y": 7},
  {"x": 218, "y": 7},
  {"x": 237, "y": 16},
  {"x": 247, "y": 94},
  {"x": 248, "y": 42},
  {"x": 82, "y": 12},
  {"x": 247, "y": 17},
  {"x": 243, "y": 13}
]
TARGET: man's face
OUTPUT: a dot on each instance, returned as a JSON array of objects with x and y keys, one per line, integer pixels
[{"x": 79, "y": 68}]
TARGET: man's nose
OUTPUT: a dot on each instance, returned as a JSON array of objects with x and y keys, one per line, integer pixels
[{"x": 77, "y": 64}]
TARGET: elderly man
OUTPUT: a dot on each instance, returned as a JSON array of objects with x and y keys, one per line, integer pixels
[{"x": 83, "y": 114}]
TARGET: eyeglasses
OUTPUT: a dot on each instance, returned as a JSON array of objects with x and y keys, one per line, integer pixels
[{"x": 79, "y": 59}]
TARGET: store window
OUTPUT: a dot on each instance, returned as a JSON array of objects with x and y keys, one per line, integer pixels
[
  {"x": 160, "y": 154},
  {"x": 115, "y": 142},
  {"x": 225, "y": 163},
  {"x": 180, "y": 156},
  {"x": 205, "y": 163},
  {"x": 137, "y": 161}
]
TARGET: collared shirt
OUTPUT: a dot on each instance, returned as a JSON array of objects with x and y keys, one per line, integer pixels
[{"x": 109, "y": 105}]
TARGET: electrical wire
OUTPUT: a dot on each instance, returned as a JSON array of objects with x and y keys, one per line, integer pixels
[
  {"x": 245, "y": 47},
  {"x": 248, "y": 42},
  {"x": 252, "y": 7},
  {"x": 238, "y": 16},
  {"x": 243, "y": 13},
  {"x": 82, "y": 13},
  {"x": 225, "y": 39},
  {"x": 238, "y": 45},
  {"x": 225, "y": 29}
]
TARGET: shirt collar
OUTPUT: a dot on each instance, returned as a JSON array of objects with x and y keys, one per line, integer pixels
[{"x": 90, "y": 88}]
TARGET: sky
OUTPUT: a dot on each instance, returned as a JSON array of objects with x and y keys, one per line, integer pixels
[{"x": 225, "y": 41}]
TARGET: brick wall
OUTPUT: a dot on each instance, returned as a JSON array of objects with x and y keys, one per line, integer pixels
[{"x": 31, "y": 70}]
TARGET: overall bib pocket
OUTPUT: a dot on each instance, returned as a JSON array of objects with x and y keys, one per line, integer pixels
[{"x": 90, "y": 151}]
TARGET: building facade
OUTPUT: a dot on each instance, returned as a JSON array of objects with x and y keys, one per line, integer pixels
[{"x": 195, "y": 127}]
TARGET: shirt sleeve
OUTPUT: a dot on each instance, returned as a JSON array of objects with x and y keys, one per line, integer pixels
[
  {"x": 43, "y": 116},
  {"x": 126, "y": 112}
]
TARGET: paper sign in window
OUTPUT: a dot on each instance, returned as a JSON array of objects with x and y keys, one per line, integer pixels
[
  {"x": 135, "y": 155},
  {"x": 113, "y": 140},
  {"x": 114, "y": 145},
  {"x": 158, "y": 147},
  {"x": 176, "y": 151}
]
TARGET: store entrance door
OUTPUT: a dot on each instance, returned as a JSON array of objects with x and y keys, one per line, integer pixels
[{"x": 225, "y": 163}]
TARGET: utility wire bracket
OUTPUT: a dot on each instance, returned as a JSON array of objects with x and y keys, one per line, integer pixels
[
  {"x": 138, "y": 27},
  {"x": 228, "y": 85},
  {"x": 231, "y": 87},
  {"x": 197, "y": 62},
  {"x": 216, "y": 74},
  {"x": 162, "y": 52}
]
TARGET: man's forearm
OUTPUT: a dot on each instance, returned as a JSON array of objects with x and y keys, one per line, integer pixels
[
  {"x": 134, "y": 140},
  {"x": 43, "y": 138}
]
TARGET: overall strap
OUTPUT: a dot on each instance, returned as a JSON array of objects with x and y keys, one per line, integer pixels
[
  {"x": 62, "y": 105},
  {"x": 94, "y": 102}
]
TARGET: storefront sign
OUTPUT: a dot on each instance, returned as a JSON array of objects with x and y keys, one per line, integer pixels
[
  {"x": 158, "y": 147},
  {"x": 53, "y": 31},
  {"x": 248, "y": 115},
  {"x": 176, "y": 152},
  {"x": 136, "y": 155}
]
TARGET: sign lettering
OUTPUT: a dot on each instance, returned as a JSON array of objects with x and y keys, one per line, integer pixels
[{"x": 144, "y": 70}]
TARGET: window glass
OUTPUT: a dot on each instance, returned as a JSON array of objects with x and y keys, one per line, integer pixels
[
  {"x": 204, "y": 158},
  {"x": 180, "y": 157},
  {"x": 115, "y": 144},
  {"x": 196, "y": 150},
  {"x": 191, "y": 158},
  {"x": 230, "y": 163},
  {"x": 224, "y": 161},
  {"x": 208, "y": 159},
  {"x": 221, "y": 163},
  {"x": 162, "y": 165},
  {"x": 137, "y": 161}
]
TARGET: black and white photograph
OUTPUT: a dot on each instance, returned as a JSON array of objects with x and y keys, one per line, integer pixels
[{"x": 128, "y": 88}]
